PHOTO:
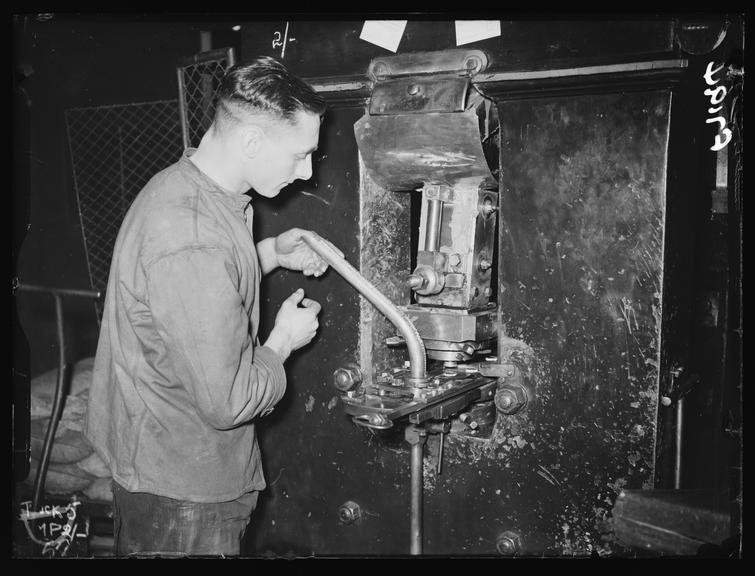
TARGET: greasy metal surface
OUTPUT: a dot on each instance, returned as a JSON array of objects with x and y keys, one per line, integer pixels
[
  {"x": 403, "y": 151},
  {"x": 581, "y": 263},
  {"x": 419, "y": 95}
]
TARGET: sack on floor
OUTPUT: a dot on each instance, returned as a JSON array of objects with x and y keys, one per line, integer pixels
[
  {"x": 43, "y": 390},
  {"x": 68, "y": 446}
]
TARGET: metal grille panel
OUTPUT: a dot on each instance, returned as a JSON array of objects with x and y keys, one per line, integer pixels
[
  {"x": 198, "y": 82},
  {"x": 115, "y": 150}
]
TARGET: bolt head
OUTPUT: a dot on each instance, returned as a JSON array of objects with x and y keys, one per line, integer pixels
[
  {"x": 510, "y": 399},
  {"x": 349, "y": 512},
  {"x": 505, "y": 400},
  {"x": 506, "y": 546},
  {"x": 509, "y": 543},
  {"x": 347, "y": 378}
]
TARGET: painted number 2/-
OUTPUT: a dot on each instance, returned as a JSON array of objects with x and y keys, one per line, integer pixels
[
  {"x": 282, "y": 43},
  {"x": 717, "y": 96}
]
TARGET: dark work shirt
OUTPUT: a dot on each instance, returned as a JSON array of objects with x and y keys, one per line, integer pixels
[{"x": 179, "y": 375}]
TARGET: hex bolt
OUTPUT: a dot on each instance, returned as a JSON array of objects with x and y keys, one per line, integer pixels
[
  {"x": 506, "y": 546},
  {"x": 347, "y": 378},
  {"x": 504, "y": 401},
  {"x": 349, "y": 512},
  {"x": 510, "y": 399},
  {"x": 509, "y": 543},
  {"x": 467, "y": 420}
]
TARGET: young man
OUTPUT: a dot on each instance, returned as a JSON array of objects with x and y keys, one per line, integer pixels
[{"x": 180, "y": 376}]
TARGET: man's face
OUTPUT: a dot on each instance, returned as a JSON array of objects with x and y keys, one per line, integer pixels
[{"x": 286, "y": 154}]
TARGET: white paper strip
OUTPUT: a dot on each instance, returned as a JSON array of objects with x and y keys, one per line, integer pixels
[
  {"x": 473, "y": 30},
  {"x": 384, "y": 33}
]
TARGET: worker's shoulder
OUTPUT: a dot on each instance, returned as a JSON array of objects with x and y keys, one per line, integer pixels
[
  {"x": 172, "y": 216},
  {"x": 171, "y": 199},
  {"x": 170, "y": 186}
]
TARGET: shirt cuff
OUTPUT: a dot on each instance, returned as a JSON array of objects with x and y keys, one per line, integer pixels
[{"x": 269, "y": 359}]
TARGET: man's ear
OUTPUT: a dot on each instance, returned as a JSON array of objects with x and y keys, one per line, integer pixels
[{"x": 252, "y": 137}]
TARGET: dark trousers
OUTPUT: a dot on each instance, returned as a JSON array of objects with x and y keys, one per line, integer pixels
[{"x": 149, "y": 525}]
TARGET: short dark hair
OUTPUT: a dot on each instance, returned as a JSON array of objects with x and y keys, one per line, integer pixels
[{"x": 264, "y": 85}]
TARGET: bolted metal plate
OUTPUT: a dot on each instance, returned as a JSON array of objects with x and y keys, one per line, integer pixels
[{"x": 419, "y": 94}]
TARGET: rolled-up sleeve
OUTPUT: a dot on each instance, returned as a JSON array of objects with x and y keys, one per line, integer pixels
[{"x": 199, "y": 314}]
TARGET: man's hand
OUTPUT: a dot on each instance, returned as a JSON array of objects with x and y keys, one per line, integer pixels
[
  {"x": 295, "y": 325},
  {"x": 294, "y": 254}
]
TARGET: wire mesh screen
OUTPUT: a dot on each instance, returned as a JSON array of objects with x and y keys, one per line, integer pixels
[
  {"x": 198, "y": 82},
  {"x": 115, "y": 150}
]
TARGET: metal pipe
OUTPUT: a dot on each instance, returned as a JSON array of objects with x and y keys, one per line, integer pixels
[
  {"x": 432, "y": 225},
  {"x": 416, "y": 505},
  {"x": 57, "y": 406},
  {"x": 415, "y": 346},
  {"x": 182, "y": 107},
  {"x": 60, "y": 291},
  {"x": 679, "y": 436}
]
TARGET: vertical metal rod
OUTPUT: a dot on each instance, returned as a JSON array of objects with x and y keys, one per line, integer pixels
[
  {"x": 678, "y": 451},
  {"x": 182, "y": 107},
  {"x": 432, "y": 224},
  {"x": 39, "y": 481},
  {"x": 416, "y": 506},
  {"x": 440, "y": 452}
]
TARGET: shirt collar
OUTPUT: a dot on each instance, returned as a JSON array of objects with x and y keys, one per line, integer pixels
[{"x": 240, "y": 201}]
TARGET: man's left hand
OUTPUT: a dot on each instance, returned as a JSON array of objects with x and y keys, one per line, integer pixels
[{"x": 294, "y": 254}]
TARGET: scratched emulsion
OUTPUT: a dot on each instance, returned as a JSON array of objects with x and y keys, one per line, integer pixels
[{"x": 582, "y": 218}]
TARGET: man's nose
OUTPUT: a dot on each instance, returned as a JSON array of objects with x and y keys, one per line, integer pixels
[{"x": 304, "y": 169}]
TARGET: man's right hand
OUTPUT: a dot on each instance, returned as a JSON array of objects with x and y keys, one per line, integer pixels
[{"x": 295, "y": 325}]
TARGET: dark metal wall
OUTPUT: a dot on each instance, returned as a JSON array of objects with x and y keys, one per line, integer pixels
[
  {"x": 582, "y": 212},
  {"x": 581, "y": 282},
  {"x": 584, "y": 181}
]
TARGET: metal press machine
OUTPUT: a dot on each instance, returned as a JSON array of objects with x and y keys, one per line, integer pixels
[{"x": 428, "y": 131}]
